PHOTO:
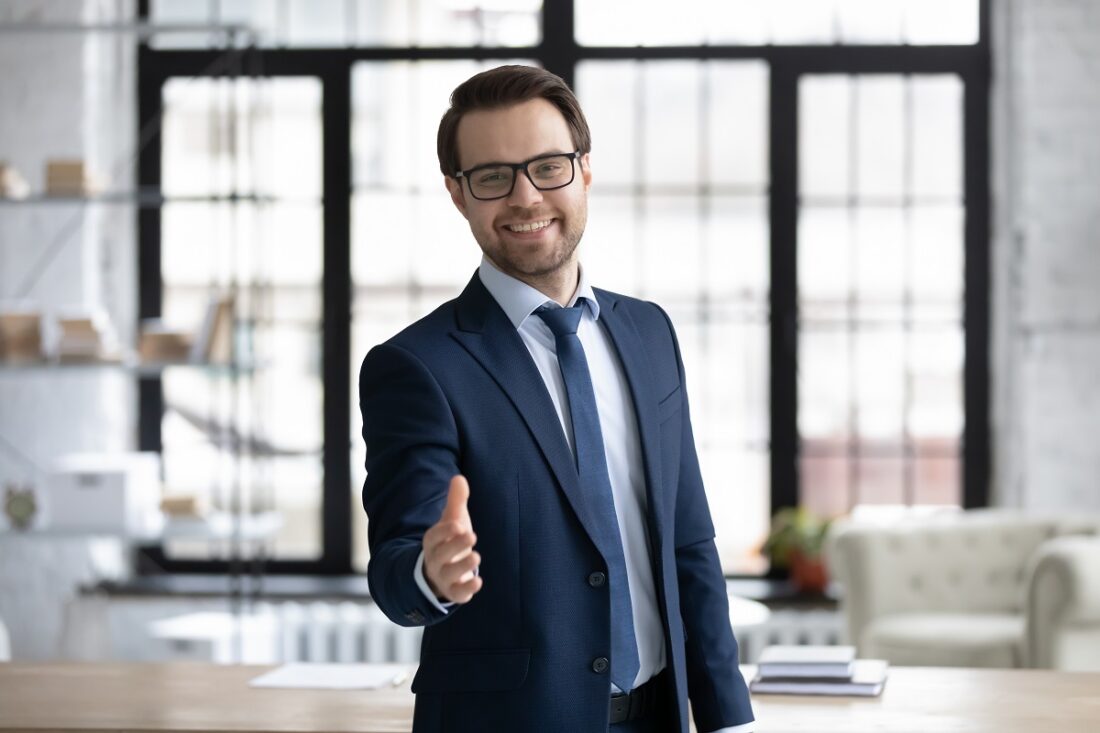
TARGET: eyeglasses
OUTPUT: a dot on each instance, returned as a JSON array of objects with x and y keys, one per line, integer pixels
[{"x": 496, "y": 180}]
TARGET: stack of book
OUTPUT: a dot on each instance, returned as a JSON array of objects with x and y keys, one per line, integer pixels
[
  {"x": 818, "y": 670},
  {"x": 213, "y": 343},
  {"x": 12, "y": 183},
  {"x": 81, "y": 339}
]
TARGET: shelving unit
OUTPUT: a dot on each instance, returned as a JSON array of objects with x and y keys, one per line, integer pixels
[{"x": 237, "y": 525}]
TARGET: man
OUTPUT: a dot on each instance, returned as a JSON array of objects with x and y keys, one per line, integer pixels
[{"x": 546, "y": 423}]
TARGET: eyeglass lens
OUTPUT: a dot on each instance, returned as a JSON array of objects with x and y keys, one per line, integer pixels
[{"x": 553, "y": 171}]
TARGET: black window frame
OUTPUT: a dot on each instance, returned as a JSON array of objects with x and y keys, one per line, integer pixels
[{"x": 559, "y": 52}]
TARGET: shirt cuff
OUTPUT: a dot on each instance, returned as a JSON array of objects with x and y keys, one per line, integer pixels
[
  {"x": 744, "y": 728},
  {"x": 422, "y": 584}
]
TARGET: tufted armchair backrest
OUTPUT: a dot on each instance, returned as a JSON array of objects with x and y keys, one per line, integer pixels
[{"x": 976, "y": 561}]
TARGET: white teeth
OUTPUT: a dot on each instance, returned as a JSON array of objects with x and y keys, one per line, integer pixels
[{"x": 532, "y": 227}]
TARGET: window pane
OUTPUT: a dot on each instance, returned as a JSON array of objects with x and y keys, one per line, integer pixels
[
  {"x": 610, "y": 245},
  {"x": 937, "y": 137},
  {"x": 632, "y": 22},
  {"x": 736, "y": 247},
  {"x": 825, "y": 259},
  {"x": 826, "y": 479},
  {"x": 242, "y": 136},
  {"x": 880, "y": 480},
  {"x": 801, "y": 22},
  {"x": 936, "y": 257},
  {"x": 938, "y": 480},
  {"x": 779, "y": 22},
  {"x": 880, "y": 248},
  {"x": 879, "y": 379},
  {"x": 824, "y": 136},
  {"x": 736, "y": 121},
  {"x": 880, "y": 131},
  {"x": 941, "y": 21},
  {"x": 336, "y": 23},
  {"x": 870, "y": 21},
  {"x": 935, "y": 411},
  {"x": 611, "y": 103},
  {"x": 825, "y": 386},
  {"x": 671, "y": 115}
]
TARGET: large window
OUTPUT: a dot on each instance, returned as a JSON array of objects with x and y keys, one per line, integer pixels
[{"x": 801, "y": 184}]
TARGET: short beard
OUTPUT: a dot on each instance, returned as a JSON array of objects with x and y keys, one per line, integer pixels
[{"x": 570, "y": 241}]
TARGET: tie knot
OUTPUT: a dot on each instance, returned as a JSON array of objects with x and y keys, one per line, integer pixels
[{"x": 562, "y": 321}]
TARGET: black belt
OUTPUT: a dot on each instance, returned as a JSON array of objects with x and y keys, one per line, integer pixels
[{"x": 641, "y": 701}]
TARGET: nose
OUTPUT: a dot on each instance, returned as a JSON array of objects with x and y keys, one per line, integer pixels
[{"x": 524, "y": 194}]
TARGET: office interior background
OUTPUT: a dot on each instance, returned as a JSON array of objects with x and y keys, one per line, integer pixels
[{"x": 873, "y": 223}]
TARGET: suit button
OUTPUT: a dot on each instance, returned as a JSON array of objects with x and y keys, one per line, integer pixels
[
  {"x": 600, "y": 665},
  {"x": 597, "y": 579}
]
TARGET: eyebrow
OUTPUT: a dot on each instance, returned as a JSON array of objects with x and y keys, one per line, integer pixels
[{"x": 506, "y": 162}]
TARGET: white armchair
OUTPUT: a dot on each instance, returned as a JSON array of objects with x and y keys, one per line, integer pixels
[{"x": 988, "y": 588}]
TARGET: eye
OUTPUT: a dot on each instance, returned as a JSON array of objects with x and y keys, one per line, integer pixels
[
  {"x": 490, "y": 177},
  {"x": 549, "y": 168}
]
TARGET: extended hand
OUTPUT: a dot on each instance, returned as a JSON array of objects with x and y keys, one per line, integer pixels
[{"x": 449, "y": 557}]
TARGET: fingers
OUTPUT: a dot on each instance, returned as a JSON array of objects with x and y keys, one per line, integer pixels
[
  {"x": 440, "y": 553},
  {"x": 463, "y": 592},
  {"x": 458, "y": 495},
  {"x": 459, "y": 571},
  {"x": 451, "y": 569}
]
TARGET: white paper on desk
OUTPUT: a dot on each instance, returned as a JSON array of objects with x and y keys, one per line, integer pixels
[{"x": 317, "y": 676}]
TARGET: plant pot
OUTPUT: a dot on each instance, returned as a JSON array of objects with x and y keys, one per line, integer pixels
[{"x": 808, "y": 573}]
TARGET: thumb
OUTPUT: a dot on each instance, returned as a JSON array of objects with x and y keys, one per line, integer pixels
[{"x": 457, "y": 496}]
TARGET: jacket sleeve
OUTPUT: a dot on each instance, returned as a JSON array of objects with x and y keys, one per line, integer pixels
[
  {"x": 716, "y": 688},
  {"x": 412, "y": 450}
]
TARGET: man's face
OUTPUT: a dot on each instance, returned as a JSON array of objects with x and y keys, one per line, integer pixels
[{"x": 512, "y": 135}]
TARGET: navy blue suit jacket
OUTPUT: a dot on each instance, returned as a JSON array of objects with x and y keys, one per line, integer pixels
[{"x": 458, "y": 392}]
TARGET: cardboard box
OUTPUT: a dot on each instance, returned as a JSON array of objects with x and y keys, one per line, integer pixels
[
  {"x": 21, "y": 336},
  {"x": 159, "y": 344},
  {"x": 69, "y": 178},
  {"x": 117, "y": 493}
]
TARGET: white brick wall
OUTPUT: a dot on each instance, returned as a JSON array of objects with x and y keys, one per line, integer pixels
[
  {"x": 67, "y": 95},
  {"x": 1046, "y": 259}
]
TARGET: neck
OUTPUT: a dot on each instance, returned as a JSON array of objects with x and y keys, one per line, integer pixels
[{"x": 558, "y": 284}]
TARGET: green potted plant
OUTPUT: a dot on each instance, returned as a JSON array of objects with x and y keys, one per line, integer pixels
[{"x": 796, "y": 541}]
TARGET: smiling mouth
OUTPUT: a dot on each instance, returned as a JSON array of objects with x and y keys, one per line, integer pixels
[{"x": 533, "y": 226}]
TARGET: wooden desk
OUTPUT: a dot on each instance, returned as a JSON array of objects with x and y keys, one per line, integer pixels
[{"x": 203, "y": 697}]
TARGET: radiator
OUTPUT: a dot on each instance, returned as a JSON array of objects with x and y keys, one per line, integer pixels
[
  {"x": 790, "y": 626},
  {"x": 272, "y": 633},
  {"x": 350, "y": 632},
  {"x": 341, "y": 632}
]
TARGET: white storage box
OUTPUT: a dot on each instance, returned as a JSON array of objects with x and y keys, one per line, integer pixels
[{"x": 117, "y": 493}]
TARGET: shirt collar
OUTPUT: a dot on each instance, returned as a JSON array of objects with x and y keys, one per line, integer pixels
[{"x": 518, "y": 300}]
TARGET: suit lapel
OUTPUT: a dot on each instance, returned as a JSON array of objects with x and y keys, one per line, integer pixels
[
  {"x": 490, "y": 338},
  {"x": 624, "y": 334}
]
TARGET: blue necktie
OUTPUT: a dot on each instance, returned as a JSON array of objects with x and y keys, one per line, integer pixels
[{"x": 595, "y": 481}]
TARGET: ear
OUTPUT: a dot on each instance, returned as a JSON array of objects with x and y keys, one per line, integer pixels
[
  {"x": 586, "y": 171},
  {"x": 454, "y": 187}
]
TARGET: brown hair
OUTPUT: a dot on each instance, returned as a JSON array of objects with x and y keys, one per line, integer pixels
[{"x": 502, "y": 87}]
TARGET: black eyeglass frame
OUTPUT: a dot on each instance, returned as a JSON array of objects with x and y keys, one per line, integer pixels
[{"x": 573, "y": 158}]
